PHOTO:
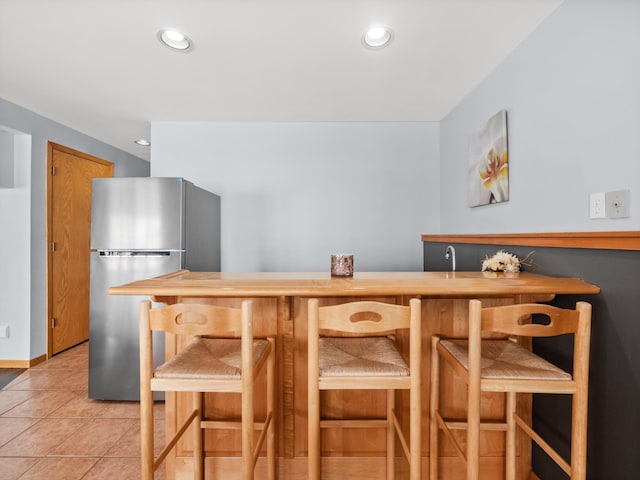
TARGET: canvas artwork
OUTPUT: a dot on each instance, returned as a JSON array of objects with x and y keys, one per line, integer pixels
[{"x": 489, "y": 162}]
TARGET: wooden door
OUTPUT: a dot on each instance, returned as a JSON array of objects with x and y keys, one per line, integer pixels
[{"x": 69, "y": 236}]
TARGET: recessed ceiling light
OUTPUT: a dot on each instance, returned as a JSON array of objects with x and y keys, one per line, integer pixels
[
  {"x": 175, "y": 40},
  {"x": 142, "y": 142},
  {"x": 377, "y": 37}
]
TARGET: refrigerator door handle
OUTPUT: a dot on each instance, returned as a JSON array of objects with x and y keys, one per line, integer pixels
[{"x": 120, "y": 253}]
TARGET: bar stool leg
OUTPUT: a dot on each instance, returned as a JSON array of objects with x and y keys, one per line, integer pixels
[
  {"x": 146, "y": 434},
  {"x": 433, "y": 408},
  {"x": 271, "y": 392},
  {"x": 198, "y": 441},
  {"x": 510, "y": 447},
  {"x": 579, "y": 435},
  {"x": 313, "y": 395},
  {"x": 391, "y": 435},
  {"x": 247, "y": 431},
  {"x": 416, "y": 430},
  {"x": 314, "y": 435},
  {"x": 473, "y": 434}
]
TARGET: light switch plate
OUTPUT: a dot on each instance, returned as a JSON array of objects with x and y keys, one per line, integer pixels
[
  {"x": 617, "y": 204},
  {"x": 597, "y": 205}
]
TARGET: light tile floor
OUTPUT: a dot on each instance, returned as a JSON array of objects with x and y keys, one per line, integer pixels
[{"x": 50, "y": 429}]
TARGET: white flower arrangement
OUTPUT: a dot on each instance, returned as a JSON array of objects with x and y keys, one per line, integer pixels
[{"x": 502, "y": 262}]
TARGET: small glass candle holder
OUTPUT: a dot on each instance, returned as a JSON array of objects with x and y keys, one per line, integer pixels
[{"x": 342, "y": 265}]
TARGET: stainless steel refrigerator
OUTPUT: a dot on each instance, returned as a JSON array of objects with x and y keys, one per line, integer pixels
[{"x": 140, "y": 228}]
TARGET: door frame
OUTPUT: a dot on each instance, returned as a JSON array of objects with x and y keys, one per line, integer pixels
[{"x": 51, "y": 146}]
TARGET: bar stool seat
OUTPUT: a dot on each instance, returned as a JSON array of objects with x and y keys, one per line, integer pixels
[
  {"x": 352, "y": 357},
  {"x": 506, "y": 360},
  {"x": 209, "y": 358}
]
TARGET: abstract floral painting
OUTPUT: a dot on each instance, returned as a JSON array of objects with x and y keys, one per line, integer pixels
[{"x": 489, "y": 162}]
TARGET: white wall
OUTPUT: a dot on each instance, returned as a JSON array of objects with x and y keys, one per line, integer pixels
[
  {"x": 572, "y": 92},
  {"x": 293, "y": 193},
  {"x": 26, "y": 208},
  {"x": 15, "y": 205}
]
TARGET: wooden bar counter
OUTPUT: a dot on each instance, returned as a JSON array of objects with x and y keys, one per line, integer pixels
[{"x": 280, "y": 303}]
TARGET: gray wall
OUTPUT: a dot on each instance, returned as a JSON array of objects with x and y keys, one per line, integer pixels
[
  {"x": 43, "y": 130},
  {"x": 573, "y": 102},
  {"x": 6, "y": 160},
  {"x": 293, "y": 193}
]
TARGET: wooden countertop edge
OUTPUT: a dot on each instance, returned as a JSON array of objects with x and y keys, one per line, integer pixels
[
  {"x": 445, "y": 287},
  {"x": 627, "y": 240},
  {"x": 212, "y": 292}
]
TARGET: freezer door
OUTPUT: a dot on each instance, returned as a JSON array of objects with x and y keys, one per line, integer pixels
[
  {"x": 137, "y": 213},
  {"x": 113, "y": 321}
]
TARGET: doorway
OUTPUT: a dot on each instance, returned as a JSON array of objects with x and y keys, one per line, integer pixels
[{"x": 68, "y": 238}]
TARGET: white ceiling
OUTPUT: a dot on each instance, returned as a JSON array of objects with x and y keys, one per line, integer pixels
[{"x": 97, "y": 66}]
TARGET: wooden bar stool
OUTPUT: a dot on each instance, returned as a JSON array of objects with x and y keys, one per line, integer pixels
[
  {"x": 228, "y": 364},
  {"x": 366, "y": 359},
  {"x": 502, "y": 365}
]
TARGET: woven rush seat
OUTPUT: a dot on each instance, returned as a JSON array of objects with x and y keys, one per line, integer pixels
[
  {"x": 503, "y": 359},
  {"x": 210, "y": 358},
  {"x": 353, "y": 357}
]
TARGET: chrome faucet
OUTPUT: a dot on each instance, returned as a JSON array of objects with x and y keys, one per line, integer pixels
[{"x": 451, "y": 253}]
